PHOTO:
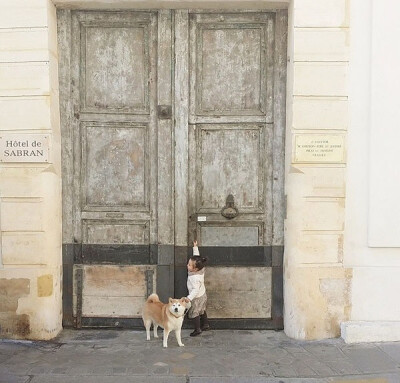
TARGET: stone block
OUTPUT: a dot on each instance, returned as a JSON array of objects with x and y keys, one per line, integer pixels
[
  {"x": 317, "y": 248},
  {"x": 14, "y": 287},
  {"x": 324, "y": 182},
  {"x": 320, "y": 113},
  {"x": 10, "y": 291},
  {"x": 320, "y": 79},
  {"x": 14, "y": 326},
  {"x": 24, "y": 13},
  {"x": 22, "y": 45},
  {"x": 323, "y": 214},
  {"x": 36, "y": 113},
  {"x": 321, "y": 44},
  {"x": 370, "y": 331},
  {"x": 24, "y": 79},
  {"x": 23, "y": 248},
  {"x": 20, "y": 182},
  {"x": 45, "y": 285},
  {"x": 21, "y": 214},
  {"x": 321, "y": 13},
  {"x": 319, "y": 299}
]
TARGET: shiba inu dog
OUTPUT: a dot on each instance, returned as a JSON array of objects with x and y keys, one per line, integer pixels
[{"x": 169, "y": 316}]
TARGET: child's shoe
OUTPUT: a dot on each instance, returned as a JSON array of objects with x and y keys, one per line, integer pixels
[{"x": 195, "y": 333}]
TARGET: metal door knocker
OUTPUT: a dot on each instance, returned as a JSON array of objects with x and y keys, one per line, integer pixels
[{"x": 229, "y": 210}]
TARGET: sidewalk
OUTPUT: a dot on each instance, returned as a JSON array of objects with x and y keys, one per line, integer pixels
[{"x": 223, "y": 356}]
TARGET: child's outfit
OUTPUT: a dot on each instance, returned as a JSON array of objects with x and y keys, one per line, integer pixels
[{"x": 198, "y": 298}]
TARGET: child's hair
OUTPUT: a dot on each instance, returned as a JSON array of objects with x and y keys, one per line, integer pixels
[{"x": 199, "y": 261}]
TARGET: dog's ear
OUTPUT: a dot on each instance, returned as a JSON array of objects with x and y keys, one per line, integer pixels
[
  {"x": 183, "y": 299},
  {"x": 170, "y": 300}
]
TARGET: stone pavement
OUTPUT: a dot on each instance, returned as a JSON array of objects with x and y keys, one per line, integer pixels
[{"x": 223, "y": 356}]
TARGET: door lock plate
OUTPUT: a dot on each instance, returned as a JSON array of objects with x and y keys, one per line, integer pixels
[{"x": 164, "y": 112}]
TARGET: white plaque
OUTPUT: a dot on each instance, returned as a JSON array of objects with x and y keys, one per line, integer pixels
[
  {"x": 201, "y": 218},
  {"x": 319, "y": 148},
  {"x": 20, "y": 147}
]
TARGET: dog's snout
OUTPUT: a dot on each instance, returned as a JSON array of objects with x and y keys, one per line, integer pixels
[{"x": 176, "y": 309}]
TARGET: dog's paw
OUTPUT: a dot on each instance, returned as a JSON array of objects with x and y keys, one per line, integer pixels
[
  {"x": 156, "y": 336},
  {"x": 181, "y": 345}
]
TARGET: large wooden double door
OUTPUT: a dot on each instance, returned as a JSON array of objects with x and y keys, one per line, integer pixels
[{"x": 172, "y": 130}]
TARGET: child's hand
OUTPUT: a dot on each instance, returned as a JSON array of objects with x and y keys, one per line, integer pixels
[{"x": 194, "y": 243}]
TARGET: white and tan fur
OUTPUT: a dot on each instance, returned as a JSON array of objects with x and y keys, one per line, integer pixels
[{"x": 169, "y": 316}]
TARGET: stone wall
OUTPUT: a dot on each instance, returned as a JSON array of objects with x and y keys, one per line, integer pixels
[
  {"x": 30, "y": 193},
  {"x": 328, "y": 264},
  {"x": 372, "y": 240},
  {"x": 317, "y": 285}
]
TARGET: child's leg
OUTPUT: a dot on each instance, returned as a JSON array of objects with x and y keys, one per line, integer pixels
[
  {"x": 197, "y": 330},
  {"x": 204, "y": 325}
]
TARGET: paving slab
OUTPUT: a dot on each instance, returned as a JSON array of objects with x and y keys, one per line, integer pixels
[
  {"x": 392, "y": 349},
  {"x": 5, "y": 378},
  {"x": 107, "y": 379},
  {"x": 256, "y": 380},
  {"x": 224, "y": 356},
  {"x": 370, "y": 359},
  {"x": 393, "y": 378}
]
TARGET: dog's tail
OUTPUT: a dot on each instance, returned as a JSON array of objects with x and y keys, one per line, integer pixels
[{"x": 153, "y": 298}]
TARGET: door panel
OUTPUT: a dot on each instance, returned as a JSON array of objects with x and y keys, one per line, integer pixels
[
  {"x": 116, "y": 50},
  {"x": 115, "y": 154},
  {"x": 239, "y": 292},
  {"x": 111, "y": 109},
  {"x": 230, "y": 158},
  {"x": 112, "y": 291},
  {"x": 229, "y": 235},
  {"x": 232, "y": 66}
]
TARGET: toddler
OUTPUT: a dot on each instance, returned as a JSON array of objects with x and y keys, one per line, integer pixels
[{"x": 197, "y": 291}]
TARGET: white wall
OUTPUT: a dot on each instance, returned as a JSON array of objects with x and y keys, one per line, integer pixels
[{"x": 372, "y": 223}]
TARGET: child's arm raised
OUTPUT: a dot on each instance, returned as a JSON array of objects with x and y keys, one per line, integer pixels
[{"x": 195, "y": 248}]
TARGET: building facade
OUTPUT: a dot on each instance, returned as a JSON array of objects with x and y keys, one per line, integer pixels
[{"x": 265, "y": 129}]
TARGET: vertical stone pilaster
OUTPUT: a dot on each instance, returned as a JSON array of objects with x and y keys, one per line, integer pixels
[
  {"x": 317, "y": 286},
  {"x": 30, "y": 192}
]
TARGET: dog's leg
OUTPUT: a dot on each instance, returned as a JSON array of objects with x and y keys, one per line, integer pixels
[
  {"x": 155, "y": 327},
  {"x": 178, "y": 337},
  {"x": 147, "y": 324},
  {"x": 165, "y": 337}
]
